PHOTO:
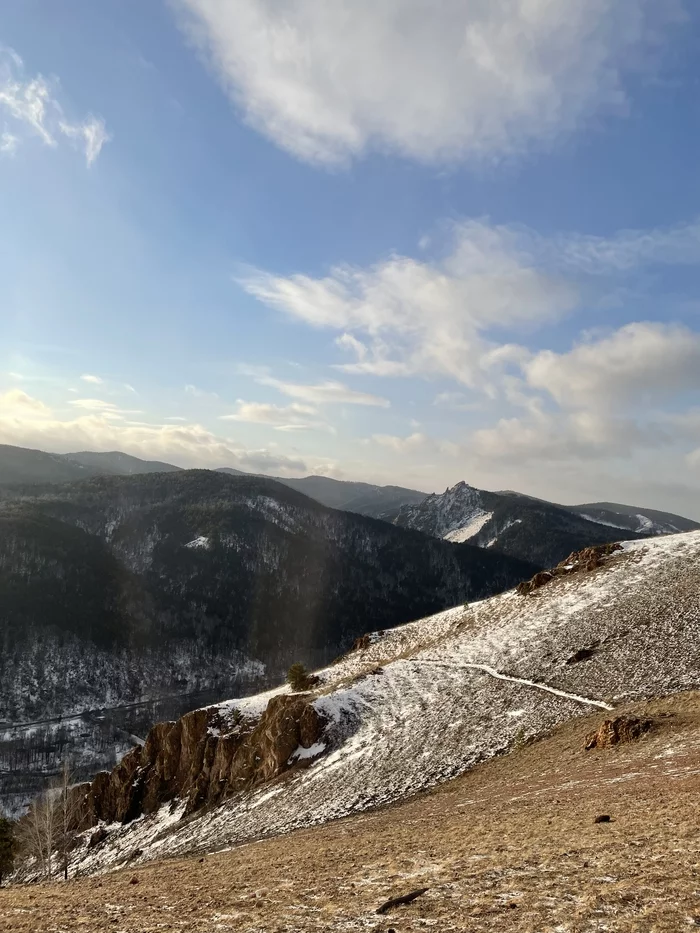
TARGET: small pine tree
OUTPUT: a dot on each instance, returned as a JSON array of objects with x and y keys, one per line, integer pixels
[
  {"x": 299, "y": 678},
  {"x": 7, "y": 847}
]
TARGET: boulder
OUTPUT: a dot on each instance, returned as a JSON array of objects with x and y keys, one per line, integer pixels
[{"x": 617, "y": 731}]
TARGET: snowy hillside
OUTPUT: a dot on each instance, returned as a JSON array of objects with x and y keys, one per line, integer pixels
[{"x": 426, "y": 701}]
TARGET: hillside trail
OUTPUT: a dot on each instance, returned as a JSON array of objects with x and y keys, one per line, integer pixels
[{"x": 511, "y": 845}]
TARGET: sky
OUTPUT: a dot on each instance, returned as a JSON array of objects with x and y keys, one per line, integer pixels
[{"x": 409, "y": 242}]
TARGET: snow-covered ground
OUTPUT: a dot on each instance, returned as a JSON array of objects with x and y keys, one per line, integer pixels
[
  {"x": 472, "y": 527},
  {"x": 426, "y": 701}
]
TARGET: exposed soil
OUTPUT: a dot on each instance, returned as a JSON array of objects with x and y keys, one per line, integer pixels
[{"x": 512, "y": 845}]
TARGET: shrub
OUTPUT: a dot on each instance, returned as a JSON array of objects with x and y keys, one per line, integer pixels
[
  {"x": 7, "y": 847},
  {"x": 299, "y": 679}
]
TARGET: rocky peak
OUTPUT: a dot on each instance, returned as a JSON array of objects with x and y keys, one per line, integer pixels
[{"x": 442, "y": 514}]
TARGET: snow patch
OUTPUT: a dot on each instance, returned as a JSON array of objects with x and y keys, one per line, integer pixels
[
  {"x": 473, "y": 527},
  {"x": 201, "y": 542},
  {"x": 312, "y": 751}
]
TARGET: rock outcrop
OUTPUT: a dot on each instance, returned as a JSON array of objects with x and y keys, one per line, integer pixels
[
  {"x": 202, "y": 758},
  {"x": 590, "y": 558},
  {"x": 617, "y": 731}
]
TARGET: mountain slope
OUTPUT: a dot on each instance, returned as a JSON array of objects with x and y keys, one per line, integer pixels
[
  {"x": 426, "y": 701},
  {"x": 507, "y": 522}
]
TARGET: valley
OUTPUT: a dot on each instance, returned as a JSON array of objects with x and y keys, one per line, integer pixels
[{"x": 123, "y": 590}]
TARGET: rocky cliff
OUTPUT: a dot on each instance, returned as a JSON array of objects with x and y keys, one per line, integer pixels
[{"x": 202, "y": 758}]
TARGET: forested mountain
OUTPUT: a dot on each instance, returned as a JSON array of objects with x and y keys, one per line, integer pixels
[
  {"x": 117, "y": 588},
  {"x": 364, "y": 498}
]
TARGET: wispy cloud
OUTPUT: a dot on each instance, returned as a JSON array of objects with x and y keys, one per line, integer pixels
[
  {"x": 91, "y": 133},
  {"x": 443, "y": 316},
  {"x": 94, "y": 380},
  {"x": 294, "y": 417},
  {"x": 329, "y": 392},
  {"x": 32, "y": 106},
  {"x": 195, "y": 392}
]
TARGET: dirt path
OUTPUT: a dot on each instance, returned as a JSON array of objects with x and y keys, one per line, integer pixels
[
  {"x": 497, "y": 675},
  {"x": 510, "y": 846}
]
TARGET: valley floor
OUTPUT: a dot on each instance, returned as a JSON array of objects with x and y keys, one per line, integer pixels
[{"x": 511, "y": 845}]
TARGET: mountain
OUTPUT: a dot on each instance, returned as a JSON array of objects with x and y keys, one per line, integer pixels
[
  {"x": 519, "y": 525},
  {"x": 412, "y": 707},
  {"x": 20, "y": 465},
  {"x": 23, "y": 465},
  {"x": 121, "y": 464},
  {"x": 230, "y": 471},
  {"x": 125, "y": 589},
  {"x": 634, "y": 518},
  {"x": 363, "y": 498}
]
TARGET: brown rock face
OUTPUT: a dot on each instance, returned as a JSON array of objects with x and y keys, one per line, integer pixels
[
  {"x": 616, "y": 731},
  {"x": 190, "y": 759}
]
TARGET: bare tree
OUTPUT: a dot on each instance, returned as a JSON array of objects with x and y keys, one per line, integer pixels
[
  {"x": 67, "y": 805},
  {"x": 37, "y": 832},
  {"x": 50, "y": 824}
]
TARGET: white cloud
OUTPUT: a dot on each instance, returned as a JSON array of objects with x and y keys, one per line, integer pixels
[
  {"x": 560, "y": 437},
  {"x": 420, "y": 317},
  {"x": 635, "y": 364},
  {"x": 17, "y": 404},
  {"x": 32, "y": 105},
  {"x": 437, "y": 82},
  {"x": 93, "y": 404},
  {"x": 29, "y": 422},
  {"x": 95, "y": 380},
  {"x": 404, "y": 316},
  {"x": 329, "y": 392},
  {"x": 292, "y": 417},
  {"x": 401, "y": 444}
]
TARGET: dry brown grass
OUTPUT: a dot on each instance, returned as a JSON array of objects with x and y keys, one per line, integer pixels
[{"x": 511, "y": 846}]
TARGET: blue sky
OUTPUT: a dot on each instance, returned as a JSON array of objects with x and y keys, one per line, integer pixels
[{"x": 401, "y": 242}]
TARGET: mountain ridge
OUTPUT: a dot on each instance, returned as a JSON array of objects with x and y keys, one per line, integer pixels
[{"x": 517, "y": 524}]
